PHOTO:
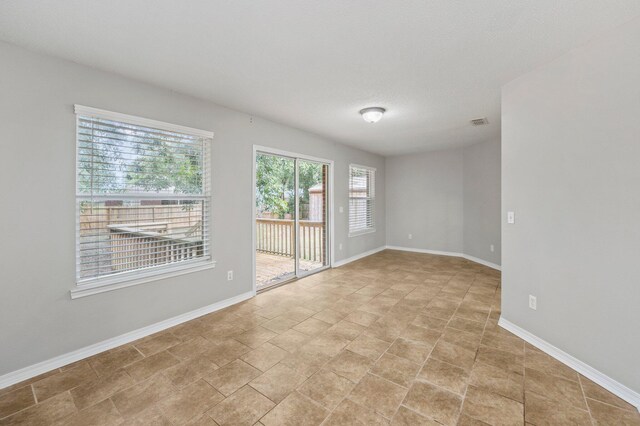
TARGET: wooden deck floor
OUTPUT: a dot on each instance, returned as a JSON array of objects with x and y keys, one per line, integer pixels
[{"x": 271, "y": 268}]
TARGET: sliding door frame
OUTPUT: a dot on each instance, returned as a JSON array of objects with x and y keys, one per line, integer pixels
[{"x": 257, "y": 149}]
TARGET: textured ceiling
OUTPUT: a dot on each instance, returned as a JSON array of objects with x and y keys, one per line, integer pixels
[{"x": 314, "y": 64}]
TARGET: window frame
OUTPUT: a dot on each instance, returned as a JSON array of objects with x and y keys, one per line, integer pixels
[
  {"x": 100, "y": 284},
  {"x": 372, "y": 190}
]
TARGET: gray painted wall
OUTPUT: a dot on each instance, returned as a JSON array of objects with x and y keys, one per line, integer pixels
[
  {"x": 425, "y": 199},
  {"x": 37, "y": 222},
  {"x": 571, "y": 153},
  {"x": 449, "y": 200},
  {"x": 482, "y": 201}
]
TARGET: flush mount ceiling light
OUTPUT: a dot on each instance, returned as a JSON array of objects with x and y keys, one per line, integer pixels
[{"x": 372, "y": 114}]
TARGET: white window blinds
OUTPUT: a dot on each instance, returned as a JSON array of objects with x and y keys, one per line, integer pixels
[
  {"x": 142, "y": 196},
  {"x": 361, "y": 199}
]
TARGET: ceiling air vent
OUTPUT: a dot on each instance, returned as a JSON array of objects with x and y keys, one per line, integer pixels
[{"x": 479, "y": 121}]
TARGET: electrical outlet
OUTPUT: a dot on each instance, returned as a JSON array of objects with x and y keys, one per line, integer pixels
[
  {"x": 533, "y": 302},
  {"x": 411, "y": 236},
  {"x": 341, "y": 209},
  {"x": 511, "y": 217},
  {"x": 340, "y": 246},
  {"x": 229, "y": 275},
  {"x": 492, "y": 248}
]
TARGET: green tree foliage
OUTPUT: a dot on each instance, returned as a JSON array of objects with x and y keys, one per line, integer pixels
[
  {"x": 159, "y": 166},
  {"x": 116, "y": 158},
  {"x": 274, "y": 185},
  {"x": 275, "y": 178},
  {"x": 97, "y": 165},
  {"x": 310, "y": 175}
]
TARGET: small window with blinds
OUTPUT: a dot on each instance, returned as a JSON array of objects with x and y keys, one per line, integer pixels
[
  {"x": 361, "y": 199},
  {"x": 142, "y": 197}
]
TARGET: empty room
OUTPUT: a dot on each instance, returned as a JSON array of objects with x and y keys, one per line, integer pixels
[{"x": 299, "y": 212}]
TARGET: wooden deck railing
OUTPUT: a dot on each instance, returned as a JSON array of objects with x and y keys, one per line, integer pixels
[
  {"x": 141, "y": 245},
  {"x": 276, "y": 236}
]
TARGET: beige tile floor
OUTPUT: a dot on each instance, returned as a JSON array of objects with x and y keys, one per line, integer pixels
[{"x": 395, "y": 338}]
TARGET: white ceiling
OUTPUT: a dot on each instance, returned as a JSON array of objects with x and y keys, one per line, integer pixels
[{"x": 313, "y": 64}]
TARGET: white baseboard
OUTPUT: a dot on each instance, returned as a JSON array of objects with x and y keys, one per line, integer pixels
[
  {"x": 617, "y": 388},
  {"x": 448, "y": 253},
  {"x": 356, "y": 257},
  {"x": 482, "y": 262},
  {"x": 417, "y": 250},
  {"x": 79, "y": 354}
]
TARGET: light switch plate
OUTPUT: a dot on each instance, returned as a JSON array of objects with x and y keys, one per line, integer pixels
[{"x": 511, "y": 217}]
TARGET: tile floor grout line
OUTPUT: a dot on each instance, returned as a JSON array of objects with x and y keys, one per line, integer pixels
[
  {"x": 139, "y": 351},
  {"x": 584, "y": 397},
  {"x": 116, "y": 407},
  {"x": 631, "y": 410},
  {"x": 464, "y": 397},
  {"x": 25, "y": 408},
  {"x": 33, "y": 391}
]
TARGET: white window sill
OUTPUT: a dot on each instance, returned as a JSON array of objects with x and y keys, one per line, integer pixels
[
  {"x": 129, "y": 279},
  {"x": 363, "y": 232}
]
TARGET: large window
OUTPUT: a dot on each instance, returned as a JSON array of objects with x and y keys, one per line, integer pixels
[
  {"x": 142, "y": 195},
  {"x": 361, "y": 199}
]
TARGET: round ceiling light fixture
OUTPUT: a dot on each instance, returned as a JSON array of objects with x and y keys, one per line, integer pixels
[{"x": 372, "y": 114}]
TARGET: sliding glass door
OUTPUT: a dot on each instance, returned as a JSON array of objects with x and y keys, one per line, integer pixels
[
  {"x": 312, "y": 215},
  {"x": 291, "y": 223},
  {"x": 275, "y": 223}
]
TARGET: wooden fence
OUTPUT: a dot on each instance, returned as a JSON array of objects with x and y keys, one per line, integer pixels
[
  {"x": 98, "y": 218},
  {"x": 147, "y": 244},
  {"x": 132, "y": 237},
  {"x": 277, "y": 236}
]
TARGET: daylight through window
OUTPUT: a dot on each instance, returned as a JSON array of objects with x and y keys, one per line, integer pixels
[
  {"x": 142, "y": 196},
  {"x": 361, "y": 199}
]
